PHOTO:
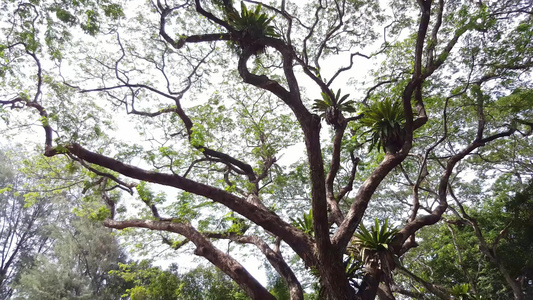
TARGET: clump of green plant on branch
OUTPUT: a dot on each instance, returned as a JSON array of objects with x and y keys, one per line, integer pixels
[
  {"x": 252, "y": 25},
  {"x": 386, "y": 121},
  {"x": 374, "y": 247},
  {"x": 331, "y": 108}
]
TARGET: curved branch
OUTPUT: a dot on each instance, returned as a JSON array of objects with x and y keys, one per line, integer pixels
[
  {"x": 212, "y": 37},
  {"x": 370, "y": 90},
  {"x": 349, "y": 186},
  {"x": 328, "y": 35},
  {"x": 125, "y": 186},
  {"x": 344, "y": 69},
  {"x": 204, "y": 248},
  {"x": 334, "y": 169},
  {"x": 211, "y": 17},
  {"x": 19, "y": 103},
  {"x": 165, "y": 11},
  {"x": 437, "y": 290},
  {"x": 262, "y": 81},
  {"x": 277, "y": 261}
]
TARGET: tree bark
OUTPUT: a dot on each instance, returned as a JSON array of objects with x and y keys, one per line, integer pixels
[
  {"x": 370, "y": 283},
  {"x": 384, "y": 292}
]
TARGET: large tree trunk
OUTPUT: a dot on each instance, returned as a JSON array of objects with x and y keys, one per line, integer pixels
[
  {"x": 384, "y": 292},
  {"x": 333, "y": 279}
]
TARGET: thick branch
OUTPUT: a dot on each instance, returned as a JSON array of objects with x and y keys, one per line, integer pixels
[
  {"x": 330, "y": 260},
  {"x": 263, "y": 82},
  {"x": 311, "y": 127},
  {"x": 416, "y": 80},
  {"x": 433, "y": 41},
  {"x": 298, "y": 240},
  {"x": 358, "y": 207}
]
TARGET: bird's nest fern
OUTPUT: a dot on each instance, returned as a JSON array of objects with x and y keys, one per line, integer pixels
[
  {"x": 331, "y": 109},
  {"x": 252, "y": 26},
  {"x": 386, "y": 122}
]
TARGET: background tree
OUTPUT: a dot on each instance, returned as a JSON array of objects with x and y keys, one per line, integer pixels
[
  {"x": 486, "y": 247},
  {"x": 151, "y": 282},
  {"x": 78, "y": 267},
  {"x": 24, "y": 217},
  {"x": 458, "y": 71},
  {"x": 48, "y": 252}
]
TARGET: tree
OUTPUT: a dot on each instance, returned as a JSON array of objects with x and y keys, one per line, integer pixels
[
  {"x": 151, "y": 282},
  {"x": 48, "y": 252},
  {"x": 84, "y": 253},
  {"x": 454, "y": 75},
  {"x": 24, "y": 217},
  {"x": 487, "y": 247}
]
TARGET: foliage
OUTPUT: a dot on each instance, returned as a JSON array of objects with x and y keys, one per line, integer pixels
[
  {"x": 278, "y": 288},
  {"x": 461, "y": 260},
  {"x": 148, "y": 282},
  {"x": 210, "y": 283},
  {"x": 253, "y": 24},
  {"x": 78, "y": 266},
  {"x": 354, "y": 269},
  {"x": 375, "y": 241},
  {"x": 26, "y": 217},
  {"x": 151, "y": 282},
  {"x": 461, "y": 291}
]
